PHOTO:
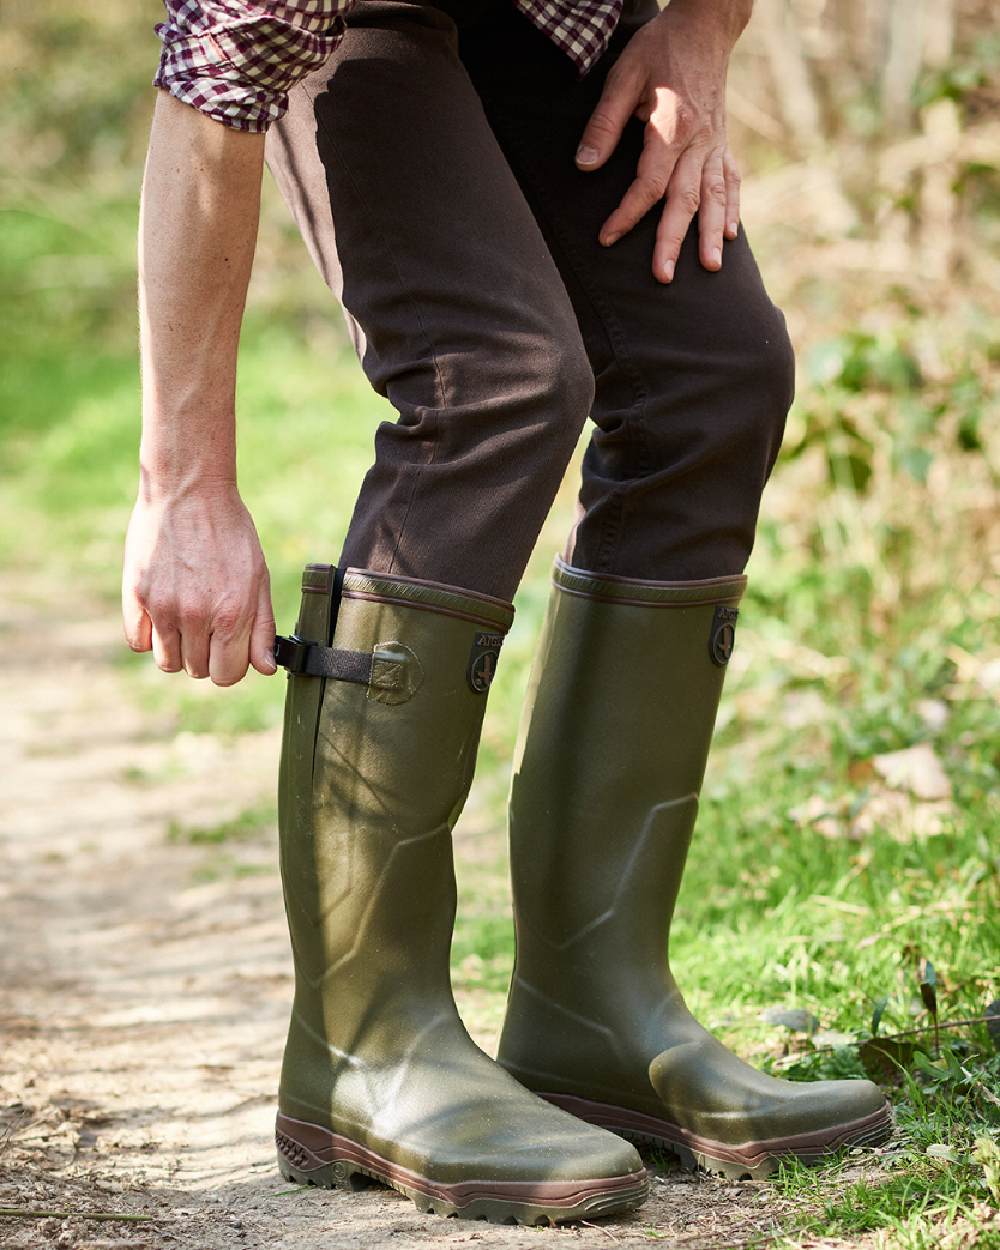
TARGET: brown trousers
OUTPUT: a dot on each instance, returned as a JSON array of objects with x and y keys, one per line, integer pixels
[{"x": 429, "y": 165}]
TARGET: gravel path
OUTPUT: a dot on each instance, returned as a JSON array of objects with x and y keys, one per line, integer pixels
[{"x": 145, "y": 983}]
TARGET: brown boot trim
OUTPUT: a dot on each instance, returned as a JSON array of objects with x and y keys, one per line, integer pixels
[
  {"x": 405, "y": 580},
  {"x": 318, "y": 1147},
  {"x": 427, "y": 596},
  {"x": 637, "y": 592},
  {"x": 869, "y": 1130}
]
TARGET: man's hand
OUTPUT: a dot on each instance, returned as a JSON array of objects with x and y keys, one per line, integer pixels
[
  {"x": 672, "y": 76},
  {"x": 195, "y": 588}
]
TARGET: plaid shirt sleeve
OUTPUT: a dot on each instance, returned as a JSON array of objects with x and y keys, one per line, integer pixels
[
  {"x": 236, "y": 61},
  {"x": 581, "y": 28}
]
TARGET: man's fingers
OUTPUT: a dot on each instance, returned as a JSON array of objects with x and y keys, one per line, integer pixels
[
  {"x": 136, "y": 622},
  {"x": 683, "y": 200},
  {"x": 166, "y": 644},
  {"x": 228, "y": 657},
  {"x": 262, "y": 637},
  {"x": 615, "y": 107},
  {"x": 649, "y": 187},
  {"x": 194, "y": 649},
  {"x": 733, "y": 180},
  {"x": 712, "y": 212}
]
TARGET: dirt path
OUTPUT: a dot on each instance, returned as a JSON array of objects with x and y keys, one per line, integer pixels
[{"x": 143, "y": 1003}]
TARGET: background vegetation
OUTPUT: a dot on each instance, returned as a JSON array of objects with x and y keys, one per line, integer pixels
[{"x": 843, "y": 881}]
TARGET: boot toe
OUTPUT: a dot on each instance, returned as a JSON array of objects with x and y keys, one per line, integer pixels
[
  {"x": 484, "y": 1124},
  {"x": 707, "y": 1090},
  {"x": 848, "y": 1100}
]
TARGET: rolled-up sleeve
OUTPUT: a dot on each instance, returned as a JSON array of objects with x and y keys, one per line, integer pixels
[{"x": 237, "y": 62}]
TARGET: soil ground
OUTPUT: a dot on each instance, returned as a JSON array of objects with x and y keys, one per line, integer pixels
[{"x": 144, "y": 989}]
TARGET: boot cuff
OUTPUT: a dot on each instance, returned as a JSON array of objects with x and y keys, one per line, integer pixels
[
  {"x": 608, "y": 588},
  {"x": 427, "y": 596}
]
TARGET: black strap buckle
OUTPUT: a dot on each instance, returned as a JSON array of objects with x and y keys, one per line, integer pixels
[
  {"x": 391, "y": 671},
  {"x": 311, "y": 659},
  {"x": 292, "y": 652}
]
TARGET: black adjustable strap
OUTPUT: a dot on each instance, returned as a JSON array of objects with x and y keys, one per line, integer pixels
[{"x": 310, "y": 659}]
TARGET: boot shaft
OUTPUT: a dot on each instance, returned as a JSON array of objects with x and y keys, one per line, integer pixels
[
  {"x": 373, "y": 777},
  {"x": 603, "y": 804},
  {"x": 614, "y": 742}
]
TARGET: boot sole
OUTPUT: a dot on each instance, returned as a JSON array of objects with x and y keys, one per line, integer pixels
[
  {"x": 309, "y": 1154},
  {"x": 755, "y": 1159}
]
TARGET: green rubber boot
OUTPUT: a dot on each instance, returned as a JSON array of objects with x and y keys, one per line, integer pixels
[
  {"x": 380, "y": 1079},
  {"x": 605, "y": 791}
]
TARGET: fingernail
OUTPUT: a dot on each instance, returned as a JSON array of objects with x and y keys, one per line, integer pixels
[
  {"x": 586, "y": 155},
  {"x": 668, "y": 270},
  {"x": 715, "y": 256},
  {"x": 269, "y": 661},
  {"x": 613, "y": 237},
  {"x": 733, "y": 228}
]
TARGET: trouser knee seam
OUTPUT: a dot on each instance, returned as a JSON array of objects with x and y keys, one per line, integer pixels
[{"x": 617, "y": 341}]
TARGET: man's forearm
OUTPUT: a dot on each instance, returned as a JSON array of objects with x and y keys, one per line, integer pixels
[
  {"x": 728, "y": 16},
  {"x": 198, "y": 229}
]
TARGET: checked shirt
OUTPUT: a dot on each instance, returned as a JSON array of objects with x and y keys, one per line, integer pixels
[{"x": 236, "y": 62}]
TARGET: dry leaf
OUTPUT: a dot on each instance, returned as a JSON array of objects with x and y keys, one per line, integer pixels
[
  {"x": 825, "y": 816},
  {"x": 934, "y": 713},
  {"x": 916, "y": 770},
  {"x": 860, "y": 772},
  {"x": 901, "y": 816},
  {"x": 832, "y": 1037},
  {"x": 989, "y": 676}
]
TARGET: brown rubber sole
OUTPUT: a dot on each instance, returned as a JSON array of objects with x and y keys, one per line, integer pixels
[
  {"x": 756, "y": 1159},
  {"x": 309, "y": 1154}
]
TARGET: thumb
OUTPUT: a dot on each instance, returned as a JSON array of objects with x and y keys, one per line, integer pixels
[
  {"x": 616, "y": 105},
  {"x": 262, "y": 634},
  {"x": 138, "y": 627}
]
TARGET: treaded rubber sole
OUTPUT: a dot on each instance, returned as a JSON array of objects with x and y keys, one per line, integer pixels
[
  {"x": 754, "y": 1159},
  {"x": 309, "y": 1154}
]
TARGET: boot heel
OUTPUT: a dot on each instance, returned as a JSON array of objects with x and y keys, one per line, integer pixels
[
  {"x": 337, "y": 1175},
  {"x": 302, "y": 1166}
]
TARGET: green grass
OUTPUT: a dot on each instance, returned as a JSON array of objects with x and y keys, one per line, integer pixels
[
  {"x": 249, "y": 824},
  {"x": 942, "y": 1175},
  {"x": 869, "y": 627}
]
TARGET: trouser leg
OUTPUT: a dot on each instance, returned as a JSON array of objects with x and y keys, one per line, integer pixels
[
  {"x": 693, "y": 380},
  {"x": 457, "y": 309}
]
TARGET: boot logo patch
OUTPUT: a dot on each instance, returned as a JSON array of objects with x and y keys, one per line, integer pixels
[
  {"x": 722, "y": 637},
  {"x": 483, "y": 661}
]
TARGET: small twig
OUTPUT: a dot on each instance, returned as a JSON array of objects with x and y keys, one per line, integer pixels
[
  {"x": 890, "y": 1037},
  {"x": 15, "y": 1125},
  {"x": 930, "y": 1028},
  {"x": 597, "y": 1229},
  {"x": 24, "y": 1213}
]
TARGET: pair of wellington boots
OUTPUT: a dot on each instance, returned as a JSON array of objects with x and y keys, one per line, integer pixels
[{"x": 387, "y": 689}]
